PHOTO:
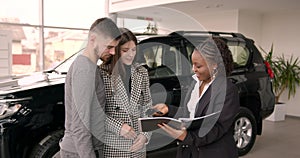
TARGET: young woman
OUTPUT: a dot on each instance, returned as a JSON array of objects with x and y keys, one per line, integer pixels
[{"x": 127, "y": 99}]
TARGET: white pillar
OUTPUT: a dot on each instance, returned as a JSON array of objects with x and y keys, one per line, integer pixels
[
  {"x": 5, "y": 53},
  {"x": 41, "y": 36},
  {"x": 105, "y": 8}
]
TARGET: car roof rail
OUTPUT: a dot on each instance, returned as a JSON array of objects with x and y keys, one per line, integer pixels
[{"x": 221, "y": 34}]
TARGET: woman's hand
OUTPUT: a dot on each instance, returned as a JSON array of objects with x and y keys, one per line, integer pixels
[
  {"x": 128, "y": 132},
  {"x": 177, "y": 134},
  {"x": 138, "y": 143},
  {"x": 161, "y": 109}
]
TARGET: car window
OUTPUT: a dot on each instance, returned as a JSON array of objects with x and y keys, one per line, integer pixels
[
  {"x": 161, "y": 60},
  {"x": 152, "y": 56},
  {"x": 172, "y": 60},
  {"x": 240, "y": 55},
  {"x": 190, "y": 50}
]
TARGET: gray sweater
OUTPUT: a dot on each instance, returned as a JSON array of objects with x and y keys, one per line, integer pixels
[{"x": 84, "y": 108}]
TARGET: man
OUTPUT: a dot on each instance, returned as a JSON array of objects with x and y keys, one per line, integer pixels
[{"x": 85, "y": 95}]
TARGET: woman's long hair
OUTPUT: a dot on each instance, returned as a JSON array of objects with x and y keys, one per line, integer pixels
[{"x": 117, "y": 66}]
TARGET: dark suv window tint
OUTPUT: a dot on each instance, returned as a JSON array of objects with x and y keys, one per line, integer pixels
[
  {"x": 152, "y": 56},
  {"x": 172, "y": 59},
  {"x": 162, "y": 60},
  {"x": 189, "y": 50},
  {"x": 240, "y": 55}
]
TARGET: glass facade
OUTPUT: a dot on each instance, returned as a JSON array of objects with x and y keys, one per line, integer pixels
[
  {"x": 64, "y": 32},
  {"x": 46, "y": 32}
]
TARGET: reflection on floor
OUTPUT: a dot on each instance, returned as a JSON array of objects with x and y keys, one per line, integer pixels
[{"x": 278, "y": 140}]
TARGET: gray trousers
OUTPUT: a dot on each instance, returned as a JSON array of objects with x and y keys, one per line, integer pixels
[{"x": 67, "y": 154}]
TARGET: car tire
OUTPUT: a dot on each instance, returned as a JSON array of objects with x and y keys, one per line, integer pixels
[
  {"x": 49, "y": 146},
  {"x": 245, "y": 130}
]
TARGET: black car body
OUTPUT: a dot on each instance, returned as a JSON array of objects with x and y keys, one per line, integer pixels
[
  {"x": 171, "y": 68},
  {"x": 32, "y": 107}
]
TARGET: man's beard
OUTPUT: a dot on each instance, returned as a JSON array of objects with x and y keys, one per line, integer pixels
[{"x": 107, "y": 60}]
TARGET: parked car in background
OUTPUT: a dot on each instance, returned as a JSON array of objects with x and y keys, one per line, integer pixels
[
  {"x": 32, "y": 106},
  {"x": 169, "y": 65}
]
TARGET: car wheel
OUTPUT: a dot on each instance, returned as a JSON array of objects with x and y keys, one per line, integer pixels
[
  {"x": 245, "y": 130},
  {"x": 49, "y": 146}
]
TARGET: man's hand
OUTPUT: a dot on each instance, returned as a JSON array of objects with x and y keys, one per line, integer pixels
[
  {"x": 128, "y": 132},
  {"x": 138, "y": 143}
]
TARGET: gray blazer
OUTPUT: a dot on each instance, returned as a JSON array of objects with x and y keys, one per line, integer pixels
[
  {"x": 120, "y": 109},
  {"x": 215, "y": 137}
]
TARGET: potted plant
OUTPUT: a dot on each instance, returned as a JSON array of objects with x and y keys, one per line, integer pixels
[{"x": 286, "y": 78}]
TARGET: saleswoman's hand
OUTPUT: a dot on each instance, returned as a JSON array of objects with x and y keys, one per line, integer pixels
[
  {"x": 177, "y": 134},
  {"x": 161, "y": 109}
]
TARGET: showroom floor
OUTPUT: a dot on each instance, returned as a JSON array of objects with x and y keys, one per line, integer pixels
[{"x": 278, "y": 140}]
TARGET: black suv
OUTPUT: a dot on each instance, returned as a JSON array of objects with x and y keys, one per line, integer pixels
[
  {"x": 32, "y": 107},
  {"x": 169, "y": 67}
]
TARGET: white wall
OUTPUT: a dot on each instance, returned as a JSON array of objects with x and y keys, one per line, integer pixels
[
  {"x": 245, "y": 22},
  {"x": 283, "y": 30},
  {"x": 178, "y": 21},
  {"x": 249, "y": 24},
  {"x": 219, "y": 21}
]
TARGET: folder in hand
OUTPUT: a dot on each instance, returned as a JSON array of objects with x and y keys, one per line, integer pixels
[{"x": 150, "y": 123}]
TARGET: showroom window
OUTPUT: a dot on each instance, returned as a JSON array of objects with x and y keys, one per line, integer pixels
[{"x": 64, "y": 25}]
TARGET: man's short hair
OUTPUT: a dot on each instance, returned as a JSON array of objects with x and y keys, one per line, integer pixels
[{"x": 106, "y": 27}]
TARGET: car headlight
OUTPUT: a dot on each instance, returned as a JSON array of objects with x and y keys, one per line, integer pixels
[{"x": 10, "y": 106}]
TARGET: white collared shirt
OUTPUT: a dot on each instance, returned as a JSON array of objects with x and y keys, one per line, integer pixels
[{"x": 192, "y": 104}]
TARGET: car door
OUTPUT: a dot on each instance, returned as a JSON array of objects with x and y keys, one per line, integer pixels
[
  {"x": 170, "y": 75},
  {"x": 168, "y": 68}
]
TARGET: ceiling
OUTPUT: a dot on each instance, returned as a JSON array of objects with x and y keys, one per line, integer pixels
[{"x": 206, "y": 6}]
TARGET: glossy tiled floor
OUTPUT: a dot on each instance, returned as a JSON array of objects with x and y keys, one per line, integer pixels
[{"x": 278, "y": 140}]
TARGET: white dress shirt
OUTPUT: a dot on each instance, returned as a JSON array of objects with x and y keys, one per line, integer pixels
[{"x": 192, "y": 104}]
